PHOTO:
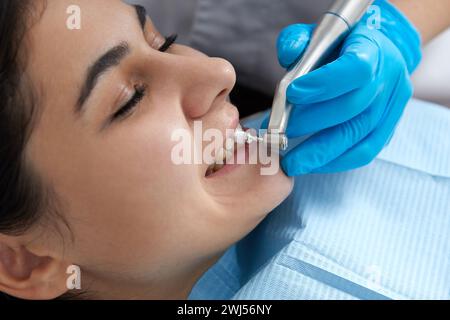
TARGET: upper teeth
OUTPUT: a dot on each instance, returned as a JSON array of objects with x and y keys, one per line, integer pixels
[
  {"x": 222, "y": 155},
  {"x": 241, "y": 137},
  {"x": 226, "y": 153}
]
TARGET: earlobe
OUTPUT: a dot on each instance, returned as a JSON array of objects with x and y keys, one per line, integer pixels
[{"x": 25, "y": 275}]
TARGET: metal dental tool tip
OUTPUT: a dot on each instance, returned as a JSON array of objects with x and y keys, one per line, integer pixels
[
  {"x": 334, "y": 26},
  {"x": 242, "y": 137}
]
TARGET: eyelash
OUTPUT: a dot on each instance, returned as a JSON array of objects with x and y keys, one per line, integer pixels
[
  {"x": 140, "y": 90},
  {"x": 170, "y": 40},
  {"x": 139, "y": 94}
]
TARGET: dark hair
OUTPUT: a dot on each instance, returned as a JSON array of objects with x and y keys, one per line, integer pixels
[
  {"x": 21, "y": 197},
  {"x": 19, "y": 194}
]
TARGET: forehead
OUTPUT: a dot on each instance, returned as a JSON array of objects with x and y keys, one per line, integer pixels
[{"x": 59, "y": 55}]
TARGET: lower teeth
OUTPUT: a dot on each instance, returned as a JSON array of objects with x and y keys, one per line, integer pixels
[{"x": 221, "y": 158}]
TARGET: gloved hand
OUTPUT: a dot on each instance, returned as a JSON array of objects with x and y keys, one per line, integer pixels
[{"x": 351, "y": 105}]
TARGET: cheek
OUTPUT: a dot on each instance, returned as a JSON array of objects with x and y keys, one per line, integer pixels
[
  {"x": 144, "y": 164},
  {"x": 135, "y": 196}
]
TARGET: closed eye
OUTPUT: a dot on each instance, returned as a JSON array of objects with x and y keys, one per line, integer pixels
[
  {"x": 126, "y": 109},
  {"x": 140, "y": 91}
]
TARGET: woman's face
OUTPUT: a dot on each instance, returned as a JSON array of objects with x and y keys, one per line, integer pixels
[{"x": 135, "y": 216}]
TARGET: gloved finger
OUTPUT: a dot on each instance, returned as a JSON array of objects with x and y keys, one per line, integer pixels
[
  {"x": 292, "y": 43},
  {"x": 355, "y": 68},
  {"x": 365, "y": 151},
  {"x": 327, "y": 145},
  {"x": 308, "y": 119}
]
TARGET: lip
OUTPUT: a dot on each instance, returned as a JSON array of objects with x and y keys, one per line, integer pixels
[
  {"x": 229, "y": 130},
  {"x": 228, "y": 168},
  {"x": 235, "y": 120}
]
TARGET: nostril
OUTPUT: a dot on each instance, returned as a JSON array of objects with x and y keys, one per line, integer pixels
[{"x": 224, "y": 92}]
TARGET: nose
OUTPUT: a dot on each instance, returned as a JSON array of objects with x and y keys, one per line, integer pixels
[{"x": 202, "y": 82}]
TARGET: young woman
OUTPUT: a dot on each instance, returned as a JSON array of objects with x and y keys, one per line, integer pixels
[
  {"x": 86, "y": 175},
  {"x": 86, "y": 179}
]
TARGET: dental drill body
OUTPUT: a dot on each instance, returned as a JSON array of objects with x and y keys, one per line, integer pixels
[
  {"x": 349, "y": 108},
  {"x": 336, "y": 23}
]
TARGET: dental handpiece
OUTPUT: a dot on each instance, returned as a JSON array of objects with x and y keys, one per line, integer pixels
[{"x": 332, "y": 29}]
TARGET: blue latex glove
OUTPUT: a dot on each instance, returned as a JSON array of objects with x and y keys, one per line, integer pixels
[{"x": 351, "y": 105}]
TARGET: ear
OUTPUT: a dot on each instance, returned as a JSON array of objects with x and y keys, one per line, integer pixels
[{"x": 26, "y": 275}]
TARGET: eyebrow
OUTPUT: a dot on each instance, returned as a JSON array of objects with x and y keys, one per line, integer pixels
[{"x": 110, "y": 59}]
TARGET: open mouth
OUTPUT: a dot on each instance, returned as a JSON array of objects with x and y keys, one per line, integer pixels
[
  {"x": 223, "y": 158},
  {"x": 229, "y": 157}
]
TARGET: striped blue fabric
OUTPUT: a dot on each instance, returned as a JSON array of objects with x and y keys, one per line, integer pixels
[{"x": 380, "y": 232}]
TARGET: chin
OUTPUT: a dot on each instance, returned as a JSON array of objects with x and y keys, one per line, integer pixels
[
  {"x": 263, "y": 195},
  {"x": 272, "y": 190}
]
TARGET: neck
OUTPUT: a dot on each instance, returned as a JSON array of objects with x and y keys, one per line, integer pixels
[{"x": 177, "y": 288}]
